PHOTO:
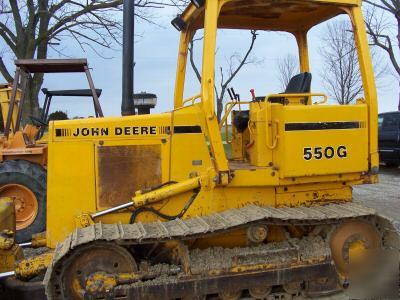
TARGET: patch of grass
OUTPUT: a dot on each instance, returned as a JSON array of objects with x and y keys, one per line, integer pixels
[{"x": 227, "y": 147}]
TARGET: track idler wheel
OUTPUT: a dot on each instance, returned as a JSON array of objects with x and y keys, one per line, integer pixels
[
  {"x": 90, "y": 270},
  {"x": 260, "y": 292},
  {"x": 350, "y": 241}
]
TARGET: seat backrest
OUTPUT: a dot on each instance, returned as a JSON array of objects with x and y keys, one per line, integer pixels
[{"x": 300, "y": 83}]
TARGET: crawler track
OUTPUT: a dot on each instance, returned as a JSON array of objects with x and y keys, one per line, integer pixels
[{"x": 198, "y": 227}]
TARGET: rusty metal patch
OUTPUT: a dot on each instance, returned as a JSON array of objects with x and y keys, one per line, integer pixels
[{"x": 123, "y": 170}]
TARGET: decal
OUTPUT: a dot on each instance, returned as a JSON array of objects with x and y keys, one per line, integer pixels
[
  {"x": 322, "y": 126},
  {"x": 328, "y": 152}
]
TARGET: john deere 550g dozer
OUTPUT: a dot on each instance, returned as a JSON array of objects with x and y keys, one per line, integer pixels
[{"x": 150, "y": 206}]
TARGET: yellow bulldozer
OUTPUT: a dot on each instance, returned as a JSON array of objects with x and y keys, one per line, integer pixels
[
  {"x": 23, "y": 149},
  {"x": 151, "y": 206}
]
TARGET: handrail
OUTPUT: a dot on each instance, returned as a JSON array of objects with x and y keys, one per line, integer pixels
[
  {"x": 192, "y": 99},
  {"x": 300, "y": 95},
  {"x": 270, "y": 125},
  {"x": 224, "y": 119},
  {"x": 325, "y": 100},
  {"x": 226, "y": 114},
  {"x": 232, "y": 103},
  {"x": 275, "y": 136}
]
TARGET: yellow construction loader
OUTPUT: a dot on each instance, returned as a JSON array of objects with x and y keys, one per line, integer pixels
[
  {"x": 23, "y": 149},
  {"x": 146, "y": 207}
]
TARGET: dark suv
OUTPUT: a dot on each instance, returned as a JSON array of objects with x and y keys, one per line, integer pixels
[{"x": 389, "y": 138}]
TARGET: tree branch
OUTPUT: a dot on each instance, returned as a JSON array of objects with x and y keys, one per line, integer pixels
[
  {"x": 3, "y": 70},
  {"x": 9, "y": 33},
  {"x": 17, "y": 16},
  {"x": 74, "y": 16},
  {"x": 388, "y": 48},
  {"x": 379, "y": 6},
  {"x": 10, "y": 43},
  {"x": 56, "y": 7},
  {"x": 192, "y": 63},
  {"x": 242, "y": 63}
]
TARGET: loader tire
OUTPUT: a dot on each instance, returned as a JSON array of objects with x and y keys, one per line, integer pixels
[{"x": 25, "y": 182}]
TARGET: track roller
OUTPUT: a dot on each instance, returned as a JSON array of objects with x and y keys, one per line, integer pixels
[
  {"x": 293, "y": 287},
  {"x": 230, "y": 295},
  {"x": 260, "y": 292}
]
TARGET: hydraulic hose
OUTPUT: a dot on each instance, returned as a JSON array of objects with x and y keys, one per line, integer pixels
[{"x": 141, "y": 209}]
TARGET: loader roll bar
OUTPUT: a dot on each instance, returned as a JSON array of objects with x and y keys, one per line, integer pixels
[
  {"x": 295, "y": 17},
  {"x": 71, "y": 93},
  {"x": 24, "y": 67},
  {"x": 63, "y": 93}
]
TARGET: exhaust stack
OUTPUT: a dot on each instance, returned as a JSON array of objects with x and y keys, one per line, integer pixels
[{"x": 127, "y": 105}]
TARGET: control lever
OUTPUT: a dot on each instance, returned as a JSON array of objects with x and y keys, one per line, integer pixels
[
  {"x": 230, "y": 94},
  {"x": 253, "y": 95},
  {"x": 236, "y": 96}
]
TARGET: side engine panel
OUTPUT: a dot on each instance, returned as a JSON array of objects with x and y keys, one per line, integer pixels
[{"x": 321, "y": 139}]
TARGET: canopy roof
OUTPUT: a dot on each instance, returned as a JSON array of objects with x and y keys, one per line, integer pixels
[
  {"x": 282, "y": 15},
  {"x": 52, "y": 65},
  {"x": 72, "y": 93}
]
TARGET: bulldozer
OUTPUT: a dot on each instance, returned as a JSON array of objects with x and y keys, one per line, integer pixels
[
  {"x": 23, "y": 149},
  {"x": 151, "y": 206}
]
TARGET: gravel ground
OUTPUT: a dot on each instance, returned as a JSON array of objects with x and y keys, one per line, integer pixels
[{"x": 384, "y": 196}]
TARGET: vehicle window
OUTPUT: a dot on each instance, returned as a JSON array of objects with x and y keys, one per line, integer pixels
[
  {"x": 390, "y": 122},
  {"x": 380, "y": 121}
]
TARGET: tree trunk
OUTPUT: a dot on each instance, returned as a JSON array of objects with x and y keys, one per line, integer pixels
[
  {"x": 31, "y": 104},
  {"x": 26, "y": 50},
  {"x": 219, "y": 109}
]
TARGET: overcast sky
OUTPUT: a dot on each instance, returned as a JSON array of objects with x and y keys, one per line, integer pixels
[{"x": 156, "y": 55}]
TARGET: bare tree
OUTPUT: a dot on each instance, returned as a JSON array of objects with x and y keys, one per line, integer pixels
[
  {"x": 341, "y": 71},
  {"x": 235, "y": 62},
  {"x": 29, "y": 28},
  {"x": 383, "y": 32},
  {"x": 288, "y": 66}
]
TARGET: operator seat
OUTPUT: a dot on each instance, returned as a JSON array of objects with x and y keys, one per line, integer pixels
[{"x": 298, "y": 84}]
